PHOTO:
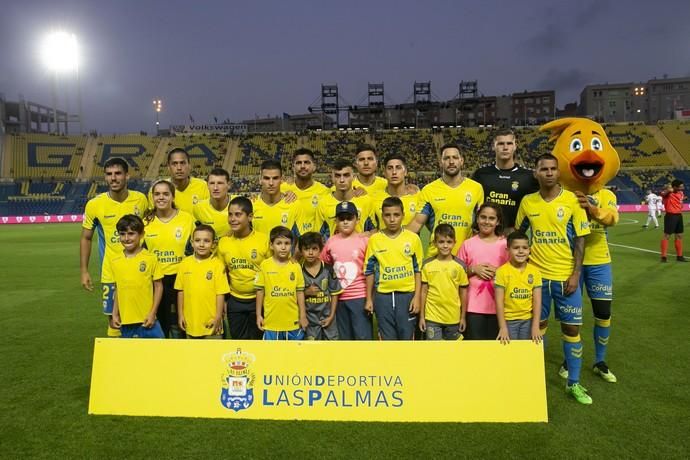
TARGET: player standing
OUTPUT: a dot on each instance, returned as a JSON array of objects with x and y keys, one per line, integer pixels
[
  {"x": 673, "y": 198},
  {"x": 395, "y": 170},
  {"x": 214, "y": 211},
  {"x": 367, "y": 163},
  {"x": 505, "y": 182},
  {"x": 653, "y": 201},
  {"x": 188, "y": 190},
  {"x": 559, "y": 226},
  {"x": 342, "y": 175},
  {"x": 451, "y": 199},
  {"x": 270, "y": 208},
  {"x": 101, "y": 216},
  {"x": 307, "y": 190}
]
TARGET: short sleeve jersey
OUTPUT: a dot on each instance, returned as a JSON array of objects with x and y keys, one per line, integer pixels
[
  {"x": 205, "y": 213},
  {"x": 242, "y": 257},
  {"x": 506, "y": 188},
  {"x": 518, "y": 286},
  {"x": 185, "y": 200},
  {"x": 394, "y": 261},
  {"x": 307, "y": 204},
  {"x": 169, "y": 241},
  {"x": 325, "y": 216},
  {"x": 327, "y": 283},
  {"x": 451, "y": 205},
  {"x": 596, "y": 243},
  {"x": 443, "y": 278},
  {"x": 268, "y": 216},
  {"x": 101, "y": 216},
  {"x": 134, "y": 277},
  {"x": 379, "y": 185},
  {"x": 201, "y": 281},
  {"x": 280, "y": 283},
  {"x": 554, "y": 226},
  {"x": 673, "y": 201},
  {"x": 411, "y": 206}
]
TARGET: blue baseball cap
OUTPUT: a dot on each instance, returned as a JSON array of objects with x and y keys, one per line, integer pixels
[{"x": 346, "y": 207}]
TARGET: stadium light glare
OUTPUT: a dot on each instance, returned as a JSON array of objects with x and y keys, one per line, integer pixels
[{"x": 60, "y": 52}]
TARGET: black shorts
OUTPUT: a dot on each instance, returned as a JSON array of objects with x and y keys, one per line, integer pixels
[{"x": 673, "y": 223}]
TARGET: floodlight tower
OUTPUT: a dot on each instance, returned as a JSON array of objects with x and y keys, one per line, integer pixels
[
  {"x": 60, "y": 54},
  {"x": 157, "y": 107}
]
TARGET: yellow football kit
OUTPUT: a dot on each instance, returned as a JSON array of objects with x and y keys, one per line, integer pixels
[
  {"x": 242, "y": 257},
  {"x": 444, "y": 278},
  {"x": 134, "y": 277},
  {"x": 518, "y": 286}
]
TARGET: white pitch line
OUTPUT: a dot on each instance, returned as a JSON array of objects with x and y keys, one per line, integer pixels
[
  {"x": 633, "y": 247},
  {"x": 629, "y": 222}
]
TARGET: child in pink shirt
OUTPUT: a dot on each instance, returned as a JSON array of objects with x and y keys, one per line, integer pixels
[
  {"x": 482, "y": 255},
  {"x": 345, "y": 251}
]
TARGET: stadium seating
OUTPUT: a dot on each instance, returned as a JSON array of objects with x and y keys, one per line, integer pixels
[
  {"x": 329, "y": 146},
  {"x": 255, "y": 149},
  {"x": 137, "y": 150},
  {"x": 678, "y": 132},
  {"x": 45, "y": 167},
  {"x": 636, "y": 146},
  {"x": 416, "y": 145},
  {"x": 205, "y": 152},
  {"x": 46, "y": 156}
]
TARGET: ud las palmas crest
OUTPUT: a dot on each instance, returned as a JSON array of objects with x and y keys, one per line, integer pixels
[{"x": 237, "y": 382}]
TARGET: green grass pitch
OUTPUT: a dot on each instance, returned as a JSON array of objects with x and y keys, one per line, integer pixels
[{"x": 48, "y": 324}]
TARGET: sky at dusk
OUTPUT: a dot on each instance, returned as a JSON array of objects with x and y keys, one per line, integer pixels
[{"x": 234, "y": 59}]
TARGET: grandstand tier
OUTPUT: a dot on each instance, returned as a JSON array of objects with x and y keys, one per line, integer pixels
[{"x": 51, "y": 173}]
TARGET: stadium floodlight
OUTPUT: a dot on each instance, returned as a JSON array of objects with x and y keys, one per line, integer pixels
[{"x": 60, "y": 52}]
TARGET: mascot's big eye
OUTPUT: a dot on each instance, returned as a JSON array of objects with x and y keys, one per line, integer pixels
[
  {"x": 596, "y": 144},
  {"x": 575, "y": 145}
]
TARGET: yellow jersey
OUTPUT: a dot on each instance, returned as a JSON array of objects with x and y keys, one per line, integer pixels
[
  {"x": 307, "y": 204},
  {"x": 196, "y": 190},
  {"x": 325, "y": 215},
  {"x": 201, "y": 281},
  {"x": 379, "y": 185},
  {"x": 101, "y": 216},
  {"x": 444, "y": 279},
  {"x": 451, "y": 205},
  {"x": 242, "y": 258},
  {"x": 268, "y": 216},
  {"x": 554, "y": 226},
  {"x": 596, "y": 243},
  {"x": 518, "y": 286},
  {"x": 205, "y": 213},
  {"x": 280, "y": 283},
  {"x": 393, "y": 261},
  {"x": 169, "y": 241},
  {"x": 134, "y": 277},
  {"x": 411, "y": 206}
]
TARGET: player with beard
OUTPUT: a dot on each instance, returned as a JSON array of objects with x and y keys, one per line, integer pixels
[
  {"x": 188, "y": 190},
  {"x": 308, "y": 192},
  {"x": 101, "y": 216},
  {"x": 451, "y": 199}
]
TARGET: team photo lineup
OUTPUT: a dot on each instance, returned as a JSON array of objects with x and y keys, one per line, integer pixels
[{"x": 300, "y": 260}]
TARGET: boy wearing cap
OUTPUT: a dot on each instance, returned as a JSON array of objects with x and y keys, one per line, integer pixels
[{"x": 345, "y": 252}]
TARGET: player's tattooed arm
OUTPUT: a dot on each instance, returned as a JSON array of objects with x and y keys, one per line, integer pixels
[{"x": 573, "y": 281}]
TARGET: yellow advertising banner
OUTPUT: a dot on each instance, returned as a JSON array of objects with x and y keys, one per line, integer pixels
[{"x": 424, "y": 381}]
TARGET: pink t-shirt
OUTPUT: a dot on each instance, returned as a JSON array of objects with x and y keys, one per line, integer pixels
[
  {"x": 480, "y": 294},
  {"x": 347, "y": 257}
]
